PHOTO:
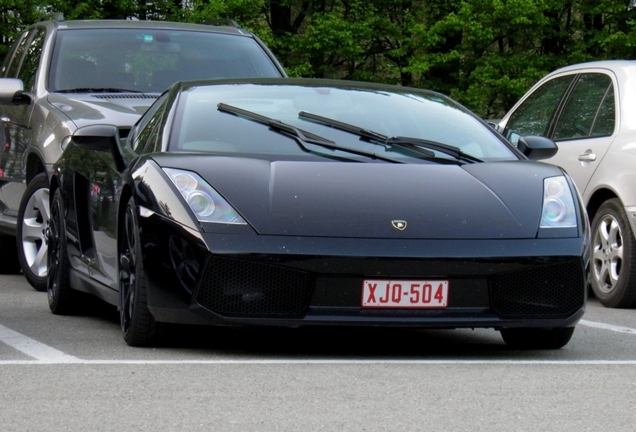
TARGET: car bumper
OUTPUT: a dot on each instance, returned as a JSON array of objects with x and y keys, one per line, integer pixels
[{"x": 237, "y": 279}]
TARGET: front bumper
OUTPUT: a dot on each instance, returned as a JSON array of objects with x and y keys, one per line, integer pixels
[{"x": 246, "y": 279}]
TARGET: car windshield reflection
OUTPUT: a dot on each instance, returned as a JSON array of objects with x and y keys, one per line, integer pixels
[{"x": 436, "y": 127}]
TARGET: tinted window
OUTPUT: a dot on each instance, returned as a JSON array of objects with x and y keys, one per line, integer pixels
[
  {"x": 152, "y": 60},
  {"x": 534, "y": 115},
  {"x": 16, "y": 56},
  {"x": 582, "y": 108},
  {"x": 606, "y": 118},
  {"x": 31, "y": 60},
  {"x": 201, "y": 126},
  {"x": 145, "y": 131}
]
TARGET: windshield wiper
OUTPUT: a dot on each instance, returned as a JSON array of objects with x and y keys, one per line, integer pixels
[
  {"x": 303, "y": 137},
  {"x": 433, "y": 145},
  {"x": 98, "y": 90},
  {"x": 418, "y": 145}
]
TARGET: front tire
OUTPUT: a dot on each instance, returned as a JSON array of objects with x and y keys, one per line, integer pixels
[
  {"x": 613, "y": 257},
  {"x": 138, "y": 326},
  {"x": 62, "y": 298},
  {"x": 537, "y": 338},
  {"x": 33, "y": 217}
]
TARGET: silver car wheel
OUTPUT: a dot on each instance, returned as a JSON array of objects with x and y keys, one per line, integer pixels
[
  {"x": 34, "y": 223},
  {"x": 607, "y": 253}
]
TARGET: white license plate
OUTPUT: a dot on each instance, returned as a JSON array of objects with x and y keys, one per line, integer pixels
[{"x": 405, "y": 294}]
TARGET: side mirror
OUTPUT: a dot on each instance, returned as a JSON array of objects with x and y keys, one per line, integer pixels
[
  {"x": 104, "y": 138},
  {"x": 12, "y": 92},
  {"x": 537, "y": 147}
]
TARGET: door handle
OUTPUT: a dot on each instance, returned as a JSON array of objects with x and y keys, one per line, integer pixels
[{"x": 587, "y": 157}]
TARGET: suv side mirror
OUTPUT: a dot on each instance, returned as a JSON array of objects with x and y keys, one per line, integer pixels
[
  {"x": 12, "y": 92},
  {"x": 537, "y": 147},
  {"x": 104, "y": 138}
]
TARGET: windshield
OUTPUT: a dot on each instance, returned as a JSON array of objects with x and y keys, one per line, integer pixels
[
  {"x": 201, "y": 126},
  {"x": 145, "y": 60}
]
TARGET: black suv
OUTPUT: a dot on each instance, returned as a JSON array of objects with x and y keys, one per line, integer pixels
[{"x": 61, "y": 75}]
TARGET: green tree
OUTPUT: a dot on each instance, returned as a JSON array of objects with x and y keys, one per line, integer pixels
[
  {"x": 484, "y": 53},
  {"x": 14, "y": 15}
]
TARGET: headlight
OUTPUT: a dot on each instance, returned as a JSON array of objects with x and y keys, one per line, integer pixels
[
  {"x": 203, "y": 200},
  {"x": 558, "y": 205}
]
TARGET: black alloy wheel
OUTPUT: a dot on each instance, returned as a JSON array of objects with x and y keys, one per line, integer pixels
[
  {"x": 184, "y": 262},
  {"x": 33, "y": 217},
  {"x": 138, "y": 326},
  {"x": 537, "y": 338},
  {"x": 62, "y": 298},
  {"x": 613, "y": 257}
]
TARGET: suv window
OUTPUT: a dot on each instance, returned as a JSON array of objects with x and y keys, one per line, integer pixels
[
  {"x": 29, "y": 67},
  {"x": 584, "y": 106},
  {"x": 16, "y": 57},
  {"x": 151, "y": 60},
  {"x": 534, "y": 115}
]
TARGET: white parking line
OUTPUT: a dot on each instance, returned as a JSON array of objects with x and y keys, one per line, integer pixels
[
  {"x": 43, "y": 353},
  {"x": 330, "y": 362},
  {"x": 610, "y": 327}
]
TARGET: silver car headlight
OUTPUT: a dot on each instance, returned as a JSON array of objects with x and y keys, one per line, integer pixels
[
  {"x": 203, "y": 200},
  {"x": 558, "y": 204}
]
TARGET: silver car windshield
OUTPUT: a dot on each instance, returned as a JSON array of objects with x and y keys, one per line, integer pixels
[
  {"x": 145, "y": 60},
  {"x": 200, "y": 126}
]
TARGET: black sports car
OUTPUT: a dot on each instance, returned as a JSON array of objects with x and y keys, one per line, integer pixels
[{"x": 292, "y": 202}]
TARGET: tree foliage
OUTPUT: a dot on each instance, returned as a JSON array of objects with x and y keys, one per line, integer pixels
[{"x": 484, "y": 53}]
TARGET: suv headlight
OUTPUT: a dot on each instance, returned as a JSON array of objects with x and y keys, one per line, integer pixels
[
  {"x": 203, "y": 200},
  {"x": 558, "y": 204}
]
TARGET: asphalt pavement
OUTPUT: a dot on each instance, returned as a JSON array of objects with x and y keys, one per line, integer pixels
[{"x": 75, "y": 373}]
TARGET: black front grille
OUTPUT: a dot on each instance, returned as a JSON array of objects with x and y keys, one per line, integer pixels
[
  {"x": 549, "y": 290},
  {"x": 233, "y": 287}
]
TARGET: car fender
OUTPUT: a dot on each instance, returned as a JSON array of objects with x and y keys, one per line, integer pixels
[
  {"x": 156, "y": 195},
  {"x": 53, "y": 127}
]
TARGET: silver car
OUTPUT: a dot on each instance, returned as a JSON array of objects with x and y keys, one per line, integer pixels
[
  {"x": 62, "y": 75},
  {"x": 589, "y": 110}
]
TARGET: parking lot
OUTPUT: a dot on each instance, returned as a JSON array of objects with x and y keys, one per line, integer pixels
[{"x": 76, "y": 373}]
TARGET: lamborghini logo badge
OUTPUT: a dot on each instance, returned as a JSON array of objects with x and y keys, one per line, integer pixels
[{"x": 399, "y": 225}]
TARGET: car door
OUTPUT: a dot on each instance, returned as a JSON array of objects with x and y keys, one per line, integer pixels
[
  {"x": 16, "y": 132},
  {"x": 577, "y": 111}
]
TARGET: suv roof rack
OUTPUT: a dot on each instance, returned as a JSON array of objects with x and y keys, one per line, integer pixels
[
  {"x": 224, "y": 22},
  {"x": 54, "y": 16}
]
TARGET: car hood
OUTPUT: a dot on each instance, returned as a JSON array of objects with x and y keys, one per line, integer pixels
[
  {"x": 121, "y": 109},
  {"x": 361, "y": 200}
]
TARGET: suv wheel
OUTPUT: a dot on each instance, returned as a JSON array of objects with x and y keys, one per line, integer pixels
[
  {"x": 613, "y": 260},
  {"x": 33, "y": 218}
]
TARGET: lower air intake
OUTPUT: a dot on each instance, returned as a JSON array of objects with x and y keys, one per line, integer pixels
[
  {"x": 247, "y": 288},
  {"x": 553, "y": 290}
]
